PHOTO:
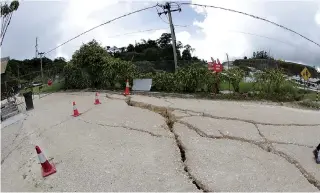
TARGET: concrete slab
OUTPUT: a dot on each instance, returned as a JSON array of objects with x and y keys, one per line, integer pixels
[
  {"x": 151, "y": 100},
  {"x": 213, "y": 127},
  {"x": 115, "y": 96},
  {"x": 303, "y": 155},
  {"x": 12, "y": 120},
  {"x": 179, "y": 113},
  {"x": 118, "y": 113},
  {"x": 304, "y": 135},
  {"x": 18, "y": 167},
  {"x": 229, "y": 166},
  {"x": 9, "y": 135},
  {"x": 239, "y": 110},
  {"x": 96, "y": 158},
  {"x": 58, "y": 107},
  {"x": 116, "y": 147}
]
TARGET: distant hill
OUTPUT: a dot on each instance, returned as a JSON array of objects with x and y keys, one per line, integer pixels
[{"x": 289, "y": 68}]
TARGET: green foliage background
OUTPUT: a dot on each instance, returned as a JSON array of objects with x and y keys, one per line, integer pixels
[{"x": 94, "y": 66}]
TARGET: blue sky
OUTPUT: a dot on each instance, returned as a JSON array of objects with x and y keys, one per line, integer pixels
[{"x": 212, "y": 32}]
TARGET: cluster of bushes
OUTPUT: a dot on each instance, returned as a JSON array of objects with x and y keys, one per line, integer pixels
[
  {"x": 193, "y": 78},
  {"x": 91, "y": 66},
  {"x": 272, "y": 84}
]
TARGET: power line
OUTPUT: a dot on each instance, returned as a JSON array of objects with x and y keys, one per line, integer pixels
[
  {"x": 135, "y": 32},
  {"x": 256, "y": 17},
  {"x": 261, "y": 36},
  {"x": 137, "y": 11},
  {"x": 176, "y": 25},
  {"x": 141, "y": 31}
]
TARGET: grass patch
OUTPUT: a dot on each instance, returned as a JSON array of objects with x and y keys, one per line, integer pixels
[
  {"x": 53, "y": 88},
  {"x": 224, "y": 85},
  {"x": 244, "y": 86},
  {"x": 45, "y": 88},
  {"x": 312, "y": 96},
  {"x": 310, "y": 104}
]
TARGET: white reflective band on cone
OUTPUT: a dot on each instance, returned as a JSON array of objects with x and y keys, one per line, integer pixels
[
  {"x": 42, "y": 158},
  {"x": 74, "y": 107},
  {"x": 127, "y": 85}
]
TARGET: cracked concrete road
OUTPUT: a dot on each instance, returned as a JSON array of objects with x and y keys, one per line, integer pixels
[{"x": 142, "y": 143}]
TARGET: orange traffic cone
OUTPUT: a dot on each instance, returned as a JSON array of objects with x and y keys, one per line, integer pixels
[
  {"x": 47, "y": 168},
  {"x": 97, "y": 101},
  {"x": 127, "y": 90},
  {"x": 75, "y": 110}
]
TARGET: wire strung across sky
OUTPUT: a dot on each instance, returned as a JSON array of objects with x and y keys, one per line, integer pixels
[
  {"x": 256, "y": 17},
  {"x": 147, "y": 30},
  {"x": 125, "y": 15},
  {"x": 155, "y": 6},
  {"x": 261, "y": 36}
]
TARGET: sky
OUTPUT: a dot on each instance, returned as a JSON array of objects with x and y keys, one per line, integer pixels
[{"x": 212, "y": 32}]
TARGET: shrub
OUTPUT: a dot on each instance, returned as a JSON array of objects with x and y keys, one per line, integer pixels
[
  {"x": 116, "y": 71},
  {"x": 163, "y": 81},
  {"x": 272, "y": 85},
  {"x": 235, "y": 75},
  {"x": 188, "y": 79},
  {"x": 76, "y": 77}
]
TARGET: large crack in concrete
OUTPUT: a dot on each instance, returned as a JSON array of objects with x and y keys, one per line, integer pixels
[
  {"x": 170, "y": 120},
  {"x": 202, "y": 114},
  {"x": 266, "y": 145}
]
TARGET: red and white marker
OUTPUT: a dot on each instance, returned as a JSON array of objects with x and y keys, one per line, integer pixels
[
  {"x": 75, "y": 110},
  {"x": 97, "y": 101},
  {"x": 47, "y": 168},
  {"x": 127, "y": 89}
]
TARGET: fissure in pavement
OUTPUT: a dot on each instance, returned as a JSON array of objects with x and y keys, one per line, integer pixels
[
  {"x": 266, "y": 145},
  {"x": 170, "y": 120}
]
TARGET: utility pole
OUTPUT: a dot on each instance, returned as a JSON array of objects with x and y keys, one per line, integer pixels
[
  {"x": 41, "y": 55},
  {"x": 36, "y": 47},
  {"x": 18, "y": 74},
  {"x": 167, "y": 8},
  {"x": 228, "y": 69}
]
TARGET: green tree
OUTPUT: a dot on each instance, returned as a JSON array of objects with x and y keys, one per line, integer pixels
[
  {"x": 164, "y": 40},
  {"x": 260, "y": 55},
  {"x": 91, "y": 57},
  {"x": 6, "y": 15},
  {"x": 186, "y": 53},
  {"x": 58, "y": 64},
  {"x": 130, "y": 48}
]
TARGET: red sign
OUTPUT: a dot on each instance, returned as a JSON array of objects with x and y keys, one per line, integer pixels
[
  {"x": 49, "y": 82},
  {"x": 217, "y": 67},
  {"x": 210, "y": 65}
]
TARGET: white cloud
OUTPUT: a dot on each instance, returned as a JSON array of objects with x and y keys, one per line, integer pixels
[
  {"x": 183, "y": 36},
  {"x": 317, "y": 17},
  {"x": 81, "y": 16},
  {"x": 220, "y": 37},
  {"x": 220, "y": 32},
  {"x": 217, "y": 41}
]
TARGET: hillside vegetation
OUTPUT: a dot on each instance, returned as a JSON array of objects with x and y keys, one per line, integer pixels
[{"x": 288, "y": 68}]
